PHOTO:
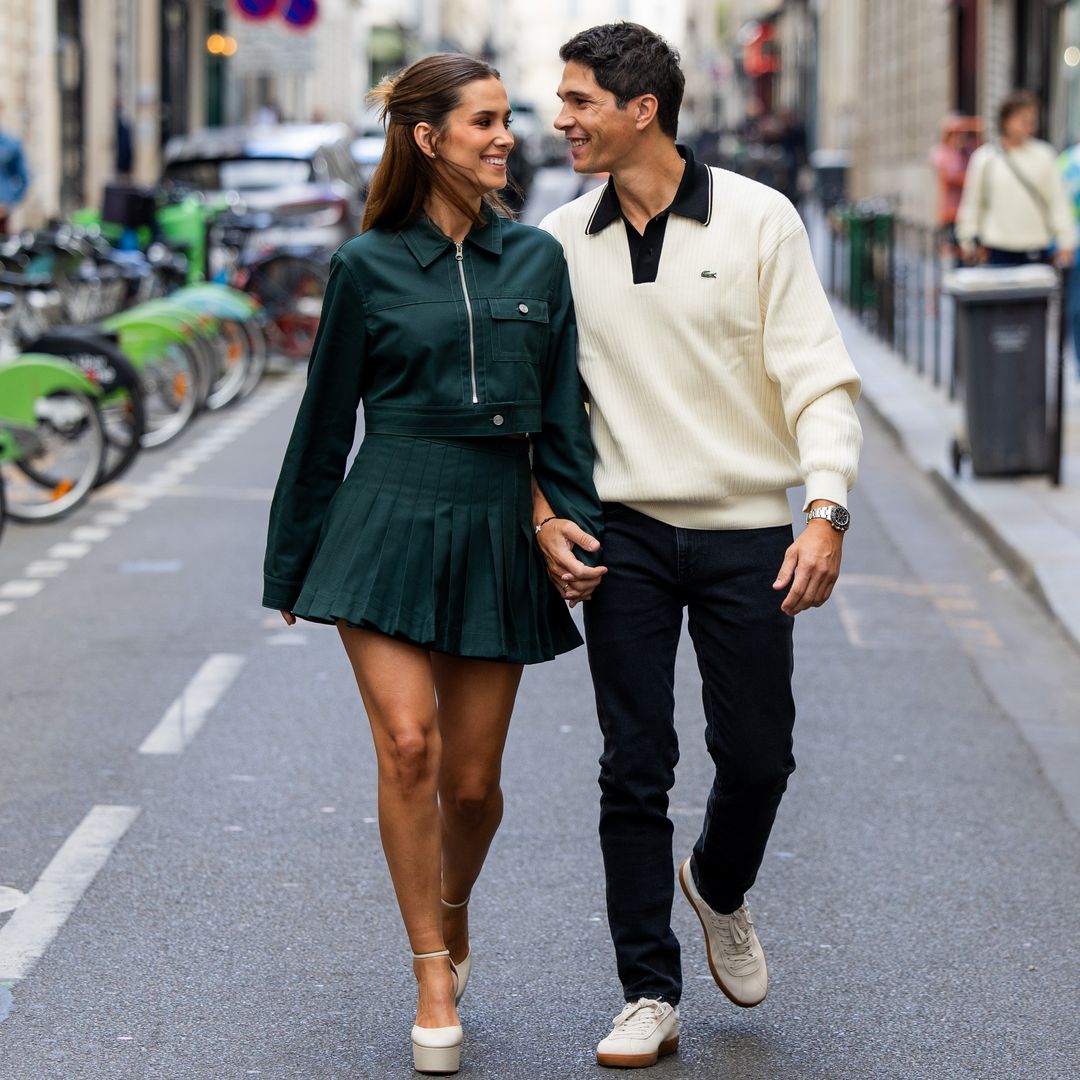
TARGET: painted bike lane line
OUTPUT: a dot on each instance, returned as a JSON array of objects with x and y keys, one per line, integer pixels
[
  {"x": 186, "y": 715},
  {"x": 30, "y": 930}
]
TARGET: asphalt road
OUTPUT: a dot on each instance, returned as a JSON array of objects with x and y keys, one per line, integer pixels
[{"x": 209, "y": 894}]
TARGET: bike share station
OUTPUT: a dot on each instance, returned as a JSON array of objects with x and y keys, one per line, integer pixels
[
  {"x": 1010, "y": 370},
  {"x": 107, "y": 349}
]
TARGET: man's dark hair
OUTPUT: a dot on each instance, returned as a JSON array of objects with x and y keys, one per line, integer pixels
[{"x": 629, "y": 60}]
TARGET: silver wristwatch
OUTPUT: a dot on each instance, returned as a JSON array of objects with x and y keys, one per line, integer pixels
[{"x": 837, "y": 516}]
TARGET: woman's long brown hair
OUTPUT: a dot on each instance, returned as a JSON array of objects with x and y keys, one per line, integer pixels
[{"x": 426, "y": 92}]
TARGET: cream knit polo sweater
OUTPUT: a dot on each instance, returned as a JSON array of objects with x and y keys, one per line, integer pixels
[
  {"x": 998, "y": 210},
  {"x": 724, "y": 382}
]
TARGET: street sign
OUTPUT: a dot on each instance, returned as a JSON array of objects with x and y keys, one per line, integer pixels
[
  {"x": 270, "y": 48},
  {"x": 256, "y": 9},
  {"x": 301, "y": 13}
]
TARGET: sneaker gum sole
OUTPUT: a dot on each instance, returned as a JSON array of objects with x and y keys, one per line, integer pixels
[
  {"x": 685, "y": 869},
  {"x": 638, "y": 1061}
]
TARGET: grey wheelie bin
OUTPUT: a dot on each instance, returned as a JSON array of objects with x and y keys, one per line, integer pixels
[{"x": 1001, "y": 357}]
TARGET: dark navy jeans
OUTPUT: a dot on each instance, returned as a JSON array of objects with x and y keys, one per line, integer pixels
[{"x": 743, "y": 642}]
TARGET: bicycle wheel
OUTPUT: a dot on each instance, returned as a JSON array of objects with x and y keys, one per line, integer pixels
[
  {"x": 122, "y": 406},
  {"x": 290, "y": 289},
  {"x": 170, "y": 382},
  {"x": 59, "y": 460},
  {"x": 233, "y": 359},
  {"x": 260, "y": 356}
]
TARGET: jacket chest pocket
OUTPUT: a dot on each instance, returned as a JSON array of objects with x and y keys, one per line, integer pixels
[{"x": 520, "y": 329}]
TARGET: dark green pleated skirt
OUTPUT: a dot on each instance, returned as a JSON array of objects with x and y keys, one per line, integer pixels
[{"x": 429, "y": 540}]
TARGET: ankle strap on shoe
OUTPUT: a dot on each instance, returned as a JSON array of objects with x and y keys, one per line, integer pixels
[
  {"x": 430, "y": 955},
  {"x": 447, "y": 903}
]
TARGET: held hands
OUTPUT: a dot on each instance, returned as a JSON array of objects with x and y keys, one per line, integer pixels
[
  {"x": 575, "y": 581},
  {"x": 811, "y": 566}
]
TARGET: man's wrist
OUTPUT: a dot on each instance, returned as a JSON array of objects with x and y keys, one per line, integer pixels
[{"x": 830, "y": 513}]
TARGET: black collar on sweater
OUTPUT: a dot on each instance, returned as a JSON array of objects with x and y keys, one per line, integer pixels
[{"x": 692, "y": 200}]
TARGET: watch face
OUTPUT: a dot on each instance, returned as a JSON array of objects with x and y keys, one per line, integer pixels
[{"x": 841, "y": 519}]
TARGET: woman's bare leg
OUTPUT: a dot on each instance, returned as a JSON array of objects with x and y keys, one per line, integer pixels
[
  {"x": 398, "y": 688},
  {"x": 475, "y": 700}
]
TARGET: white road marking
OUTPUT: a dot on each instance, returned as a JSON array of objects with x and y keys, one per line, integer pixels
[
  {"x": 90, "y": 534},
  {"x": 132, "y": 503},
  {"x": 68, "y": 551},
  {"x": 45, "y": 568},
  {"x": 31, "y": 929},
  {"x": 187, "y": 714},
  {"x": 21, "y": 590},
  {"x": 6, "y": 608},
  {"x": 112, "y": 518}
]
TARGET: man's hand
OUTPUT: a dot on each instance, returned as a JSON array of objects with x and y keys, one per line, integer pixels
[
  {"x": 574, "y": 580},
  {"x": 1064, "y": 260},
  {"x": 289, "y": 617},
  {"x": 811, "y": 566}
]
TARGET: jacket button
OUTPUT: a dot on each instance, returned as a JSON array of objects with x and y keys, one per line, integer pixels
[
  {"x": 523, "y": 308},
  {"x": 497, "y": 420}
]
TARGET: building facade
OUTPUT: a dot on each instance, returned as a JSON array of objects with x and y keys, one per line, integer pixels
[
  {"x": 83, "y": 77},
  {"x": 923, "y": 60},
  {"x": 875, "y": 79}
]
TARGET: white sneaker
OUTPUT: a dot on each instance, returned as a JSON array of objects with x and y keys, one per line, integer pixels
[
  {"x": 644, "y": 1031},
  {"x": 736, "y": 958}
]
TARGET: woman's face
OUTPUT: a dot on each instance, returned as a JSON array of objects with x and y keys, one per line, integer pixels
[
  {"x": 1022, "y": 124},
  {"x": 473, "y": 148}
]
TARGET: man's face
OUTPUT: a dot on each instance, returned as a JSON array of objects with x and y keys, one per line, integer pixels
[{"x": 599, "y": 132}]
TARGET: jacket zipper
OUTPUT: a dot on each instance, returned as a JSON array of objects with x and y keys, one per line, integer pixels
[{"x": 468, "y": 310}]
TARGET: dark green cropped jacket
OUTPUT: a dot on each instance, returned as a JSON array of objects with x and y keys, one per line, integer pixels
[{"x": 436, "y": 339}]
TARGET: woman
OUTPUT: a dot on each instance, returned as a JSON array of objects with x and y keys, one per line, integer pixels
[
  {"x": 454, "y": 326},
  {"x": 1014, "y": 209}
]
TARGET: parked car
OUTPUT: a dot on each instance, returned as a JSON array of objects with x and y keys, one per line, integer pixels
[
  {"x": 367, "y": 151},
  {"x": 302, "y": 174}
]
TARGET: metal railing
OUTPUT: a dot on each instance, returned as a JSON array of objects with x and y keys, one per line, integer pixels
[{"x": 888, "y": 270}]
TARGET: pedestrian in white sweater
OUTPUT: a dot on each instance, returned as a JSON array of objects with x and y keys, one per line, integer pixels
[
  {"x": 1014, "y": 209},
  {"x": 717, "y": 380}
]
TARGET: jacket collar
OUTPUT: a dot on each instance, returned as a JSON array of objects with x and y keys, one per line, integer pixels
[
  {"x": 427, "y": 243},
  {"x": 693, "y": 199}
]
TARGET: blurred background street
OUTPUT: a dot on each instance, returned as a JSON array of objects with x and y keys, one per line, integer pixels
[{"x": 191, "y": 880}]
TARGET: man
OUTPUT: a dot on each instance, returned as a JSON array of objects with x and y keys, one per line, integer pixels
[{"x": 717, "y": 379}]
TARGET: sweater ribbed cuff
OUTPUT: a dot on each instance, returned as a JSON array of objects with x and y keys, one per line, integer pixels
[{"x": 826, "y": 485}]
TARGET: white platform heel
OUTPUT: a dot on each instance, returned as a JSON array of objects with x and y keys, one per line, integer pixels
[
  {"x": 437, "y": 1051},
  {"x": 465, "y": 967}
]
